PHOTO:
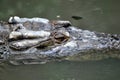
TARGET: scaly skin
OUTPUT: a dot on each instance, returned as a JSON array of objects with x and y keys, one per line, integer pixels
[{"x": 36, "y": 40}]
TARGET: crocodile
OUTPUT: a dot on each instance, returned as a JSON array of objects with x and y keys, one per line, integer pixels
[{"x": 39, "y": 40}]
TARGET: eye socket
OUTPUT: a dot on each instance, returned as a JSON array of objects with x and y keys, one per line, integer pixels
[{"x": 60, "y": 38}]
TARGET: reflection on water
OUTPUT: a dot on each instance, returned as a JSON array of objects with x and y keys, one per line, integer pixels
[
  {"x": 90, "y": 70},
  {"x": 98, "y": 15}
]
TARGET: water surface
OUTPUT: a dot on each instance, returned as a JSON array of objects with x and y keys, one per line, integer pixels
[
  {"x": 98, "y": 15},
  {"x": 88, "y": 70}
]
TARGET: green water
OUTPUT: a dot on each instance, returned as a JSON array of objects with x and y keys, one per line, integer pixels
[
  {"x": 90, "y": 70},
  {"x": 98, "y": 15}
]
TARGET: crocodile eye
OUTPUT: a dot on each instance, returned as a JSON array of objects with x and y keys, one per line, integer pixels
[{"x": 59, "y": 37}]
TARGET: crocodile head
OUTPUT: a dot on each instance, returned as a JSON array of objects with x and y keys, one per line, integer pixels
[{"x": 35, "y": 40}]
